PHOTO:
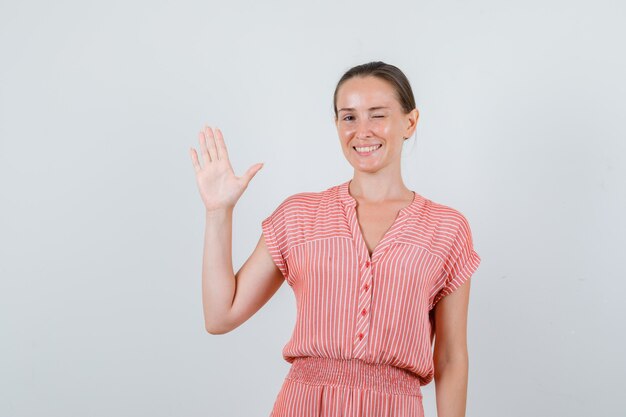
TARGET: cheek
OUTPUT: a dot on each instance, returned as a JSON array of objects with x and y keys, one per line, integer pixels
[
  {"x": 383, "y": 128},
  {"x": 345, "y": 131}
]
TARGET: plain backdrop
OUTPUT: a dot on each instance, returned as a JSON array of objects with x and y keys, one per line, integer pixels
[{"x": 101, "y": 229}]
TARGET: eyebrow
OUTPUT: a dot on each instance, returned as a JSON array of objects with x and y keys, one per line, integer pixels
[{"x": 371, "y": 108}]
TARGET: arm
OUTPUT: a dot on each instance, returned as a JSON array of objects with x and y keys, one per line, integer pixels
[
  {"x": 450, "y": 352},
  {"x": 228, "y": 299}
]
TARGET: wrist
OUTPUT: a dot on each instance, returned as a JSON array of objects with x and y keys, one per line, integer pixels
[{"x": 218, "y": 213}]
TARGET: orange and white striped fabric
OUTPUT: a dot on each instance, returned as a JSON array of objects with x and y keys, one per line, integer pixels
[{"x": 362, "y": 342}]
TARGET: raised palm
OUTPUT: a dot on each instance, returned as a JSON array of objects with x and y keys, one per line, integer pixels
[{"x": 219, "y": 187}]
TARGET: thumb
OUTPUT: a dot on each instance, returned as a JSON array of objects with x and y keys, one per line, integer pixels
[{"x": 251, "y": 172}]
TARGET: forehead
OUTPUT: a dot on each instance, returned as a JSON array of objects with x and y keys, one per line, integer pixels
[{"x": 365, "y": 92}]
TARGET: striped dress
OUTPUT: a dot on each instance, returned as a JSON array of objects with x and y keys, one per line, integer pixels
[{"x": 362, "y": 341}]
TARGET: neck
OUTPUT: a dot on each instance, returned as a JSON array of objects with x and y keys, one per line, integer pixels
[{"x": 375, "y": 188}]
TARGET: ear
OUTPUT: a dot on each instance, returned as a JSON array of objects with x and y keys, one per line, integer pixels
[{"x": 412, "y": 118}]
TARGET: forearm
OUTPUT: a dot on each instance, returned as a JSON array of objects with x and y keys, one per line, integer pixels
[
  {"x": 451, "y": 387},
  {"x": 218, "y": 277}
]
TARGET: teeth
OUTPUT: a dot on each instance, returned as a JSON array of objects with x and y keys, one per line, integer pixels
[{"x": 367, "y": 148}]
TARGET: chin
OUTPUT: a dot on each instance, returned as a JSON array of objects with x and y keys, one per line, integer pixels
[{"x": 370, "y": 169}]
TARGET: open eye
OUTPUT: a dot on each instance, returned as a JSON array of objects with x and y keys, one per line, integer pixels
[{"x": 346, "y": 118}]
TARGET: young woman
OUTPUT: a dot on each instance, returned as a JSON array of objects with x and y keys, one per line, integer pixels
[{"x": 377, "y": 269}]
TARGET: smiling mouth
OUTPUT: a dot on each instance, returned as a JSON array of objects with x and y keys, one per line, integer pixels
[{"x": 365, "y": 150}]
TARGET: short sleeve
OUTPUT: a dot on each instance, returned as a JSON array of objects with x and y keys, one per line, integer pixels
[
  {"x": 276, "y": 239},
  {"x": 461, "y": 262}
]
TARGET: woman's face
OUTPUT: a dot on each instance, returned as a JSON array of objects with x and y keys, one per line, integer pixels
[{"x": 369, "y": 114}]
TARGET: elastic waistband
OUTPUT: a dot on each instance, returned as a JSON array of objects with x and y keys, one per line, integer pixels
[{"x": 354, "y": 373}]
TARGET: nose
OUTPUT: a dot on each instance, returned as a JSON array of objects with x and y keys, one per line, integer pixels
[{"x": 363, "y": 128}]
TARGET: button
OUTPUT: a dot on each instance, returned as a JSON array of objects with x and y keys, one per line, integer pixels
[
  {"x": 364, "y": 312},
  {"x": 367, "y": 264},
  {"x": 360, "y": 336},
  {"x": 367, "y": 286}
]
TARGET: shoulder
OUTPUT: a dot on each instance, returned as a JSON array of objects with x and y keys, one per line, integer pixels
[
  {"x": 307, "y": 200},
  {"x": 298, "y": 202},
  {"x": 303, "y": 203},
  {"x": 449, "y": 221}
]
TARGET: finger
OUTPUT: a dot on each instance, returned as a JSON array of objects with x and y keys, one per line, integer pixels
[
  {"x": 203, "y": 150},
  {"x": 222, "y": 152},
  {"x": 210, "y": 143},
  {"x": 251, "y": 172},
  {"x": 194, "y": 159}
]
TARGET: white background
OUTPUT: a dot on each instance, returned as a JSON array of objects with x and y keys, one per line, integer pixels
[{"x": 101, "y": 229}]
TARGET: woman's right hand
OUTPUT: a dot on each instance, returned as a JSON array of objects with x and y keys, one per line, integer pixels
[{"x": 219, "y": 187}]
